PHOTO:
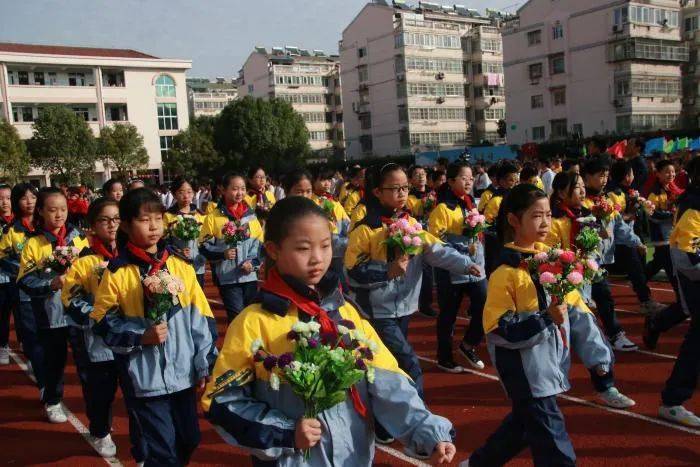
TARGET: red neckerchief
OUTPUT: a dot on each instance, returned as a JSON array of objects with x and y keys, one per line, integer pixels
[
  {"x": 140, "y": 253},
  {"x": 467, "y": 200},
  {"x": 328, "y": 196},
  {"x": 277, "y": 286},
  {"x": 60, "y": 236},
  {"x": 575, "y": 224},
  {"x": 237, "y": 210},
  {"x": 8, "y": 219},
  {"x": 259, "y": 195},
  {"x": 27, "y": 224},
  {"x": 390, "y": 220},
  {"x": 100, "y": 248}
]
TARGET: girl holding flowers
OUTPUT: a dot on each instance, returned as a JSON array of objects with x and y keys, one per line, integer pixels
[
  {"x": 163, "y": 353},
  {"x": 257, "y": 411},
  {"x": 456, "y": 221},
  {"x": 45, "y": 259},
  {"x": 232, "y": 238}
]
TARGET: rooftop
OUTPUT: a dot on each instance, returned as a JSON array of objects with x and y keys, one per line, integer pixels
[
  {"x": 71, "y": 51},
  {"x": 290, "y": 53}
]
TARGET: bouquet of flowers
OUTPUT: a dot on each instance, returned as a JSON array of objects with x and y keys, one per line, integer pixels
[
  {"x": 639, "y": 202},
  {"x": 160, "y": 290},
  {"x": 323, "y": 367},
  {"x": 60, "y": 259},
  {"x": 185, "y": 227},
  {"x": 99, "y": 269},
  {"x": 405, "y": 237},
  {"x": 328, "y": 208},
  {"x": 604, "y": 210},
  {"x": 559, "y": 271},
  {"x": 474, "y": 224},
  {"x": 429, "y": 203},
  {"x": 262, "y": 209},
  {"x": 234, "y": 232},
  {"x": 588, "y": 239}
]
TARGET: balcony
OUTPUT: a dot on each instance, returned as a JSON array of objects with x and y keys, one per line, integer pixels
[
  {"x": 647, "y": 49},
  {"x": 52, "y": 94}
]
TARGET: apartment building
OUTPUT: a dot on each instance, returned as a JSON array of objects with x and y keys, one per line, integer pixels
[
  {"x": 691, "y": 70},
  {"x": 208, "y": 98},
  {"x": 594, "y": 67},
  {"x": 307, "y": 79},
  {"x": 103, "y": 86},
  {"x": 420, "y": 78}
]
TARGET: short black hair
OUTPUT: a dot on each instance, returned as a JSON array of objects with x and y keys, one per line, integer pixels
[
  {"x": 42, "y": 196},
  {"x": 18, "y": 192},
  {"x": 96, "y": 208},
  {"x": 506, "y": 168},
  {"x": 529, "y": 170},
  {"x": 517, "y": 201},
  {"x": 130, "y": 207},
  {"x": 294, "y": 177},
  {"x": 619, "y": 170},
  {"x": 285, "y": 213},
  {"x": 596, "y": 164},
  {"x": 455, "y": 168}
]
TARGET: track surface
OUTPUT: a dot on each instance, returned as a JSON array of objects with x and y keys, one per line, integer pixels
[{"x": 474, "y": 401}]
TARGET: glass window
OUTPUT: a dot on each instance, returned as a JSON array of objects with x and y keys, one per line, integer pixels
[
  {"x": 165, "y": 86},
  {"x": 23, "y": 77},
  {"x": 166, "y": 144},
  {"x": 556, "y": 64},
  {"x": 534, "y": 37},
  {"x": 363, "y": 73},
  {"x": 537, "y": 102},
  {"x": 557, "y": 31},
  {"x": 538, "y": 133},
  {"x": 167, "y": 117},
  {"x": 53, "y": 80},
  {"x": 27, "y": 114},
  {"x": 39, "y": 78},
  {"x": 535, "y": 70},
  {"x": 559, "y": 128},
  {"x": 559, "y": 96}
]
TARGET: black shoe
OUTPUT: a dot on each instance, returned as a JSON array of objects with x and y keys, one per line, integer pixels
[
  {"x": 471, "y": 356},
  {"x": 450, "y": 366},
  {"x": 429, "y": 312},
  {"x": 651, "y": 334},
  {"x": 383, "y": 439}
]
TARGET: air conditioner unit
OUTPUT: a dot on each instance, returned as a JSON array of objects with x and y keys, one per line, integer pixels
[
  {"x": 440, "y": 75},
  {"x": 440, "y": 100},
  {"x": 616, "y": 28}
]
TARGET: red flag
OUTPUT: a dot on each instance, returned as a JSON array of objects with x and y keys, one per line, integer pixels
[{"x": 618, "y": 149}]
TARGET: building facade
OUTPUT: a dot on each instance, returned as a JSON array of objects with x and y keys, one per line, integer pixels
[
  {"x": 104, "y": 86},
  {"x": 207, "y": 98},
  {"x": 419, "y": 78},
  {"x": 594, "y": 67},
  {"x": 309, "y": 80},
  {"x": 691, "y": 71}
]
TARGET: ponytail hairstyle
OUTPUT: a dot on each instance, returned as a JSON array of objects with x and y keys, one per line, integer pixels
[
  {"x": 96, "y": 208},
  {"x": 294, "y": 177},
  {"x": 43, "y": 195},
  {"x": 18, "y": 192},
  {"x": 517, "y": 201},
  {"x": 130, "y": 207},
  {"x": 563, "y": 182}
]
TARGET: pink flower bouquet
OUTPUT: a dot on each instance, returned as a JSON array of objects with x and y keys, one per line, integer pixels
[
  {"x": 161, "y": 291},
  {"x": 406, "y": 237}
]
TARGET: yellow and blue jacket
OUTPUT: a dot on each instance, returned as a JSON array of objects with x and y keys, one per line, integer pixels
[
  {"x": 248, "y": 413},
  {"x": 661, "y": 221},
  {"x": 486, "y": 197},
  {"x": 350, "y": 196},
  {"x": 199, "y": 262},
  {"x": 494, "y": 204},
  {"x": 36, "y": 282},
  {"x": 367, "y": 264},
  {"x": 530, "y": 353},
  {"x": 340, "y": 226},
  {"x": 619, "y": 232},
  {"x": 252, "y": 199},
  {"x": 419, "y": 204},
  {"x": 188, "y": 352},
  {"x": 684, "y": 248},
  {"x": 12, "y": 242},
  {"x": 213, "y": 247},
  {"x": 358, "y": 213}
]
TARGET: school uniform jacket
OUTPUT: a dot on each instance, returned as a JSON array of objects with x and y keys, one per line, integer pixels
[
  {"x": 78, "y": 297},
  {"x": 619, "y": 233},
  {"x": 47, "y": 304},
  {"x": 251, "y": 415},
  {"x": 684, "y": 254},
  {"x": 350, "y": 198},
  {"x": 530, "y": 352},
  {"x": 5, "y": 276},
  {"x": 416, "y": 204},
  {"x": 187, "y": 353},
  {"x": 199, "y": 262},
  {"x": 486, "y": 197},
  {"x": 229, "y": 271},
  {"x": 252, "y": 199},
  {"x": 446, "y": 222},
  {"x": 358, "y": 213},
  {"x": 340, "y": 226},
  {"x": 367, "y": 266},
  {"x": 661, "y": 220},
  {"x": 494, "y": 204}
]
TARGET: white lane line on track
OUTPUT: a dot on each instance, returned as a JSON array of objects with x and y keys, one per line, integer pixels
[
  {"x": 72, "y": 419},
  {"x": 578, "y": 400},
  {"x": 658, "y": 289}
]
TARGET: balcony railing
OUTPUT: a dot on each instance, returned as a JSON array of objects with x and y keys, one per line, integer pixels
[{"x": 647, "y": 49}]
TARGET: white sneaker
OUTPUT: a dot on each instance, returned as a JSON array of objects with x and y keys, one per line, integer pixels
[
  {"x": 622, "y": 343},
  {"x": 55, "y": 413},
  {"x": 4, "y": 355},
  {"x": 105, "y": 446},
  {"x": 615, "y": 399},
  {"x": 679, "y": 414}
]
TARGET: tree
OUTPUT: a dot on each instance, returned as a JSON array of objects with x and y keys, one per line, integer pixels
[
  {"x": 14, "y": 159},
  {"x": 63, "y": 145},
  {"x": 121, "y": 148},
  {"x": 193, "y": 154},
  {"x": 260, "y": 131}
]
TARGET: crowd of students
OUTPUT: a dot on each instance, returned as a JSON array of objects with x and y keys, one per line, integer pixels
[{"x": 317, "y": 238}]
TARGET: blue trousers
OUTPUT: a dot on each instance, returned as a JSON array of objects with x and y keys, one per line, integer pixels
[
  {"x": 630, "y": 261},
  {"x": 28, "y": 333},
  {"x": 236, "y": 297},
  {"x": 605, "y": 304},
  {"x": 394, "y": 334},
  {"x": 7, "y": 305},
  {"x": 54, "y": 344},
  {"x": 450, "y": 299},
  {"x": 534, "y": 423},
  {"x": 425, "y": 299}
]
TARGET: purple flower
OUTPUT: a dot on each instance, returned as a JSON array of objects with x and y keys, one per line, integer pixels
[
  {"x": 313, "y": 343},
  {"x": 292, "y": 335},
  {"x": 366, "y": 353},
  {"x": 360, "y": 364},
  {"x": 270, "y": 362},
  {"x": 329, "y": 337},
  {"x": 284, "y": 360},
  {"x": 347, "y": 323}
]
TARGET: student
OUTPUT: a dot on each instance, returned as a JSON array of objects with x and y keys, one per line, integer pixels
[
  {"x": 270, "y": 424},
  {"x": 113, "y": 189},
  {"x": 14, "y": 238},
  {"x": 183, "y": 196},
  {"x": 135, "y": 184},
  {"x": 481, "y": 181},
  {"x": 566, "y": 204},
  {"x": 616, "y": 231},
  {"x": 683, "y": 380},
  {"x": 161, "y": 363},
  {"x": 44, "y": 288},
  {"x": 259, "y": 197},
  {"x": 527, "y": 336},
  {"x": 506, "y": 178},
  {"x": 235, "y": 266},
  {"x": 546, "y": 174},
  {"x": 7, "y": 292},
  {"x": 447, "y": 222},
  {"x": 437, "y": 179},
  {"x": 353, "y": 191},
  {"x": 530, "y": 174}
]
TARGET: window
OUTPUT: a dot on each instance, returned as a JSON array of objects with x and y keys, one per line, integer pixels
[
  {"x": 537, "y": 101},
  {"x": 494, "y": 114},
  {"x": 166, "y": 144},
  {"x": 363, "y": 73},
  {"x": 491, "y": 45},
  {"x": 317, "y": 135},
  {"x": 578, "y": 129},
  {"x": 313, "y": 117},
  {"x": 620, "y": 16},
  {"x": 428, "y": 40},
  {"x": 27, "y": 114},
  {"x": 53, "y": 80},
  {"x": 651, "y": 16},
  {"x": 622, "y": 87},
  {"x": 437, "y": 113},
  {"x": 535, "y": 70},
  {"x": 534, "y": 37},
  {"x": 557, "y": 31},
  {"x": 167, "y": 117},
  {"x": 165, "y": 86},
  {"x": 23, "y": 77},
  {"x": 11, "y": 77},
  {"x": 81, "y": 112},
  {"x": 429, "y": 64},
  {"x": 492, "y": 67},
  {"x": 478, "y": 91},
  {"x": 559, "y": 96},
  {"x": 362, "y": 52},
  {"x": 538, "y": 133},
  {"x": 447, "y": 138},
  {"x": 366, "y": 143},
  {"x": 365, "y": 121},
  {"x": 76, "y": 79},
  {"x": 559, "y": 128},
  {"x": 435, "y": 89},
  {"x": 39, "y": 78},
  {"x": 556, "y": 64},
  {"x": 691, "y": 24}
]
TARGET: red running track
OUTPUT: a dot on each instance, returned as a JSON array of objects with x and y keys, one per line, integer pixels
[{"x": 474, "y": 401}]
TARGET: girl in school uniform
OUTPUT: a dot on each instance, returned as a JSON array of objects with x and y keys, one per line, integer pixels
[
  {"x": 259, "y": 197},
  {"x": 7, "y": 287},
  {"x": 269, "y": 423},
  {"x": 44, "y": 289},
  {"x": 163, "y": 361},
  {"x": 236, "y": 265},
  {"x": 183, "y": 205},
  {"x": 506, "y": 178},
  {"x": 527, "y": 336},
  {"x": 353, "y": 192}
]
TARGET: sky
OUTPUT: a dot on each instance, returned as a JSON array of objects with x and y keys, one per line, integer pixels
[{"x": 217, "y": 35}]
